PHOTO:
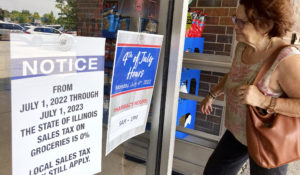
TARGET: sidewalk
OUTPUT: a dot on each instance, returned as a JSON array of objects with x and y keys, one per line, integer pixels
[
  {"x": 294, "y": 169},
  {"x": 4, "y": 59}
]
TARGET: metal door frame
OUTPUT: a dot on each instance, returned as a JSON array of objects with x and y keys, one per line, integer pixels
[{"x": 172, "y": 22}]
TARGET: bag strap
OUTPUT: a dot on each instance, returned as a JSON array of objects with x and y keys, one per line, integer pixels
[{"x": 268, "y": 63}]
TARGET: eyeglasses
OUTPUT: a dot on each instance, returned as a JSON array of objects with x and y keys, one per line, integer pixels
[{"x": 239, "y": 22}]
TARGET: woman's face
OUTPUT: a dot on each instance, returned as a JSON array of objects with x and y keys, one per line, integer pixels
[{"x": 245, "y": 31}]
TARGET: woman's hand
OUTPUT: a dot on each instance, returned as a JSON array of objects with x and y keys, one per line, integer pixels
[
  {"x": 249, "y": 94},
  {"x": 206, "y": 105}
]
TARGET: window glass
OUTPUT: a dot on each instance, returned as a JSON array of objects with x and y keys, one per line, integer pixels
[
  {"x": 47, "y": 30},
  {"x": 17, "y": 27},
  {"x": 8, "y": 26},
  {"x": 56, "y": 31},
  {"x": 84, "y": 19},
  {"x": 38, "y": 29}
]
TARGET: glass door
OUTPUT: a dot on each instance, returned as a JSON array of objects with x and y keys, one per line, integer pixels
[
  {"x": 64, "y": 20},
  {"x": 207, "y": 55}
]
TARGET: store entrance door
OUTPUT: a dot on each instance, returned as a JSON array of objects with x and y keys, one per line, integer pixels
[{"x": 122, "y": 160}]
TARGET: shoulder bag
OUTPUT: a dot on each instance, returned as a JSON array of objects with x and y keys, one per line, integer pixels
[{"x": 273, "y": 139}]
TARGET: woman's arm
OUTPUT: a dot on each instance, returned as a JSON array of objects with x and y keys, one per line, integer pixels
[
  {"x": 218, "y": 89},
  {"x": 289, "y": 81},
  {"x": 206, "y": 103},
  {"x": 288, "y": 72},
  {"x": 288, "y": 106}
]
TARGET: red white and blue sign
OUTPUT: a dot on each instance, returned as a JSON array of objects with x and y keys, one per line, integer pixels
[{"x": 135, "y": 66}]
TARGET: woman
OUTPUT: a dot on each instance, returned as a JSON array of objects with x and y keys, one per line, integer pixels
[{"x": 260, "y": 26}]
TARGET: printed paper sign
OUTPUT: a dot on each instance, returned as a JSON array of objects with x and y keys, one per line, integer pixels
[
  {"x": 135, "y": 66},
  {"x": 57, "y": 98}
]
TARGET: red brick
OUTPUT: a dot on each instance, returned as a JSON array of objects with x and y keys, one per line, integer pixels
[
  {"x": 228, "y": 48},
  {"x": 206, "y": 72},
  {"x": 213, "y": 119},
  {"x": 202, "y": 93},
  {"x": 214, "y": 29},
  {"x": 214, "y": 46},
  {"x": 194, "y": 4},
  {"x": 216, "y": 11},
  {"x": 216, "y": 129},
  {"x": 199, "y": 115},
  {"x": 226, "y": 21},
  {"x": 196, "y": 9},
  {"x": 224, "y": 39},
  {"x": 205, "y": 125},
  {"x": 209, "y": 37},
  {"x": 212, "y": 20},
  {"x": 203, "y": 86},
  {"x": 209, "y": 3},
  {"x": 221, "y": 75},
  {"x": 232, "y": 11},
  {"x": 229, "y": 3},
  {"x": 229, "y": 30},
  {"x": 209, "y": 79},
  {"x": 218, "y": 112}
]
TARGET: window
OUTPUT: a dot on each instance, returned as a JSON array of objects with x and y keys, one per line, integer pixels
[
  {"x": 17, "y": 27},
  {"x": 6, "y": 26},
  {"x": 10, "y": 26},
  {"x": 47, "y": 30},
  {"x": 56, "y": 31},
  {"x": 38, "y": 29}
]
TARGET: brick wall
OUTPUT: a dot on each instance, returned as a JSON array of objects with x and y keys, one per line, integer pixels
[
  {"x": 218, "y": 34},
  {"x": 218, "y": 30},
  {"x": 89, "y": 17},
  {"x": 209, "y": 123}
]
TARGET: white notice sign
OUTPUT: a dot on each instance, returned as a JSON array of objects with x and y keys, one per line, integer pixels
[{"x": 57, "y": 99}]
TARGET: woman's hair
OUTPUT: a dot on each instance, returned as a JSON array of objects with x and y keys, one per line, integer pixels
[{"x": 262, "y": 13}]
